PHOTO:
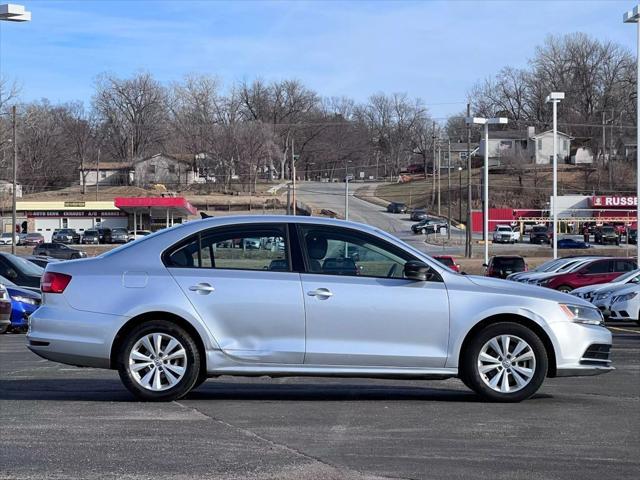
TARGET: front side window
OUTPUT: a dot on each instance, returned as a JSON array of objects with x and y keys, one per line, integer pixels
[
  {"x": 340, "y": 251},
  {"x": 598, "y": 267},
  {"x": 243, "y": 248}
]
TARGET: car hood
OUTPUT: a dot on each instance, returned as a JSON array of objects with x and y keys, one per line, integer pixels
[
  {"x": 521, "y": 289},
  {"x": 596, "y": 288},
  {"x": 623, "y": 289}
]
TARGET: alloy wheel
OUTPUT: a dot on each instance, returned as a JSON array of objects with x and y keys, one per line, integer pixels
[
  {"x": 157, "y": 361},
  {"x": 506, "y": 363}
]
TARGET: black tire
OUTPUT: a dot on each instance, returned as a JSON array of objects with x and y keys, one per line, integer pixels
[
  {"x": 201, "y": 379},
  {"x": 469, "y": 363},
  {"x": 75, "y": 256},
  {"x": 192, "y": 369},
  {"x": 4, "y": 328},
  {"x": 564, "y": 288}
]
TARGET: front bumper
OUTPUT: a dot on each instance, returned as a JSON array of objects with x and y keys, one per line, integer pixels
[
  {"x": 623, "y": 310},
  {"x": 581, "y": 349}
]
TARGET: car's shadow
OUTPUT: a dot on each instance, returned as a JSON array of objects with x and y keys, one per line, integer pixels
[{"x": 111, "y": 390}]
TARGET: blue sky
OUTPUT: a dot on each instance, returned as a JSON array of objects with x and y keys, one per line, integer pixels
[{"x": 435, "y": 50}]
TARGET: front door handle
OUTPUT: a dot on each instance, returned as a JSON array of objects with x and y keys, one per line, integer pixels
[
  {"x": 202, "y": 288},
  {"x": 320, "y": 293}
]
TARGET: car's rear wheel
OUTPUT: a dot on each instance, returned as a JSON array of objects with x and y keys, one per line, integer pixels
[
  {"x": 505, "y": 362},
  {"x": 159, "y": 361},
  {"x": 564, "y": 288}
]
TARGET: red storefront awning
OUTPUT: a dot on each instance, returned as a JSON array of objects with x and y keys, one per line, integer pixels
[{"x": 179, "y": 206}]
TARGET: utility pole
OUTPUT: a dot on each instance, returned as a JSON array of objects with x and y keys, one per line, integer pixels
[
  {"x": 98, "y": 174},
  {"x": 439, "y": 170},
  {"x": 14, "y": 219},
  {"x": 468, "y": 246},
  {"x": 293, "y": 176},
  {"x": 433, "y": 166},
  {"x": 449, "y": 188}
]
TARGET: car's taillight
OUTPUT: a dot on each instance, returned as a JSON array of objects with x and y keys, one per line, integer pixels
[{"x": 53, "y": 282}]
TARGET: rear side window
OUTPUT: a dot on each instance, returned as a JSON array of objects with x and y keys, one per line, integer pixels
[
  {"x": 256, "y": 247},
  {"x": 623, "y": 265}
]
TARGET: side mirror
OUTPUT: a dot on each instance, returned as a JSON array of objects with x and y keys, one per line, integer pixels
[
  {"x": 415, "y": 270},
  {"x": 485, "y": 265},
  {"x": 12, "y": 274}
]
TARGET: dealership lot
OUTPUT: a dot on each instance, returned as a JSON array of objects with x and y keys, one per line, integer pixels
[{"x": 81, "y": 423}]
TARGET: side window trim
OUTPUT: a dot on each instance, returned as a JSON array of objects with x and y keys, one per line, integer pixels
[
  {"x": 242, "y": 229},
  {"x": 387, "y": 245}
]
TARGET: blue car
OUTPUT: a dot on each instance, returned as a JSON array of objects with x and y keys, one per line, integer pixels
[
  {"x": 23, "y": 303},
  {"x": 571, "y": 243}
]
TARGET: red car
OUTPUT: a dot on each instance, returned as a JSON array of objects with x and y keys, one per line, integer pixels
[
  {"x": 597, "y": 271},
  {"x": 449, "y": 261}
]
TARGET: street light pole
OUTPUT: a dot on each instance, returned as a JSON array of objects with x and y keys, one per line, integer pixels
[
  {"x": 460, "y": 191},
  {"x": 633, "y": 16},
  {"x": 486, "y": 122},
  {"x": 449, "y": 188},
  {"x": 14, "y": 13},
  {"x": 14, "y": 196},
  {"x": 555, "y": 98},
  {"x": 346, "y": 190}
]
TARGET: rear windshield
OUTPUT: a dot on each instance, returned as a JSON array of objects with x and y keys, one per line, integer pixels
[
  {"x": 508, "y": 263},
  {"x": 90, "y": 232},
  {"x": 539, "y": 229},
  {"x": 446, "y": 261}
]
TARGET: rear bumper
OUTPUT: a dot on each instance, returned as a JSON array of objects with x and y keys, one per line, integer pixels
[{"x": 65, "y": 335}]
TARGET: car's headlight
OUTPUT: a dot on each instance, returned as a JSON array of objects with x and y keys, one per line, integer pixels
[
  {"x": 626, "y": 297},
  {"x": 584, "y": 315},
  {"x": 602, "y": 296},
  {"x": 21, "y": 299}
]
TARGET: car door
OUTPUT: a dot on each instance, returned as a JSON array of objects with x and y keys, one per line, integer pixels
[
  {"x": 596, "y": 272},
  {"x": 361, "y": 311},
  {"x": 250, "y": 298}
]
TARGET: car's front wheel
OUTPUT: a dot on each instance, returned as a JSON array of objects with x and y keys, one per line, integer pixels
[
  {"x": 505, "y": 362},
  {"x": 159, "y": 361}
]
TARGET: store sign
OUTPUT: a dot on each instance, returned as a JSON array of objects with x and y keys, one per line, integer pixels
[
  {"x": 70, "y": 214},
  {"x": 606, "y": 201}
]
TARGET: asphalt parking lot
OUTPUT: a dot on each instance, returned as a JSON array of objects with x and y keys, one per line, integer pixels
[{"x": 59, "y": 421}]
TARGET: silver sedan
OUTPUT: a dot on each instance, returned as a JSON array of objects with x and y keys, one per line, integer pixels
[{"x": 213, "y": 297}]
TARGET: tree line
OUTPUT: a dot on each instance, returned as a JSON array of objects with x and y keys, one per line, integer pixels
[{"x": 252, "y": 130}]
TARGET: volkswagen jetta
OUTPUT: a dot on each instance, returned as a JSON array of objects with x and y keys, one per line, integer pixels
[{"x": 192, "y": 302}]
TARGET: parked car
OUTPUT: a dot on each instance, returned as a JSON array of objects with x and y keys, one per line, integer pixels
[
  {"x": 5, "y": 310},
  {"x": 23, "y": 303},
  {"x": 396, "y": 207},
  {"x": 549, "y": 266},
  {"x": 20, "y": 271},
  {"x": 625, "y": 305},
  {"x": 40, "y": 260},
  {"x": 632, "y": 236},
  {"x": 607, "y": 234},
  {"x": 505, "y": 234},
  {"x": 449, "y": 261},
  {"x": 65, "y": 235},
  {"x": 399, "y": 314},
  {"x": 96, "y": 236},
  {"x": 119, "y": 235},
  {"x": 540, "y": 279},
  {"x": 601, "y": 292},
  {"x": 500, "y": 266},
  {"x": 8, "y": 238},
  {"x": 137, "y": 234},
  {"x": 566, "y": 243},
  {"x": 428, "y": 225},
  {"x": 418, "y": 214},
  {"x": 33, "y": 238},
  {"x": 58, "y": 250},
  {"x": 596, "y": 271},
  {"x": 540, "y": 234}
]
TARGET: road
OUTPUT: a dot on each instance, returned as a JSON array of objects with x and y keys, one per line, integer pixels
[{"x": 59, "y": 421}]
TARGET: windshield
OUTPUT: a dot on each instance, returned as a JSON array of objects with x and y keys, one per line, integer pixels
[
  {"x": 629, "y": 276},
  {"x": 25, "y": 266},
  {"x": 508, "y": 263}
]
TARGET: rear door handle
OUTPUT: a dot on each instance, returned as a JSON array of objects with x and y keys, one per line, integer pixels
[
  {"x": 320, "y": 293},
  {"x": 202, "y": 288}
]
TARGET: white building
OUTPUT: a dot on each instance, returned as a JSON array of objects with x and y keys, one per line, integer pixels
[
  {"x": 6, "y": 189},
  {"x": 526, "y": 146}
]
